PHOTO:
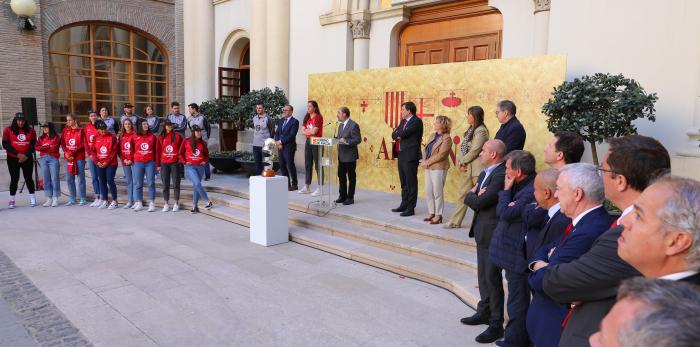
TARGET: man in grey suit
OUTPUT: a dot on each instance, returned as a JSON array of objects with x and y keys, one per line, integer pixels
[
  {"x": 349, "y": 137},
  {"x": 591, "y": 281},
  {"x": 483, "y": 199}
]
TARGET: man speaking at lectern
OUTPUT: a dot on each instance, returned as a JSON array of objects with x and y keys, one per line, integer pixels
[
  {"x": 408, "y": 136},
  {"x": 348, "y": 135}
]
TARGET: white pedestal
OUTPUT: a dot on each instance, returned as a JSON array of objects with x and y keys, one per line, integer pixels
[{"x": 268, "y": 210}]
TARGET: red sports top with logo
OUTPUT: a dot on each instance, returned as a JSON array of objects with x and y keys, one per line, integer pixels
[
  {"x": 315, "y": 122},
  {"x": 104, "y": 149},
  {"x": 21, "y": 141},
  {"x": 198, "y": 156},
  {"x": 72, "y": 142},
  {"x": 125, "y": 143},
  {"x": 48, "y": 146},
  {"x": 90, "y": 134},
  {"x": 144, "y": 147},
  {"x": 169, "y": 150}
]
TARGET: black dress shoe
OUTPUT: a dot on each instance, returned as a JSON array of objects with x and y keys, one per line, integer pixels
[
  {"x": 349, "y": 201},
  {"x": 340, "y": 200},
  {"x": 407, "y": 213},
  {"x": 399, "y": 209},
  {"x": 293, "y": 188},
  {"x": 490, "y": 335},
  {"x": 476, "y": 319}
]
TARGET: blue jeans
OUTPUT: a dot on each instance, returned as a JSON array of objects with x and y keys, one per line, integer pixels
[
  {"x": 128, "y": 175},
  {"x": 195, "y": 174},
  {"x": 50, "y": 168},
  {"x": 517, "y": 305},
  {"x": 70, "y": 179},
  {"x": 105, "y": 177},
  {"x": 95, "y": 182},
  {"x": 149, "y": 169}
]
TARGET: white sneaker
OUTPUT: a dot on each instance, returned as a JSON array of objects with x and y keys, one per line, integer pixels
[
  {"x": 176, "y": 207},
  {"x": 54, "y": 202},
  {"x": 32, "y": 201},
  {"x": 316, "y": 192},
  {"x": 151, "y": 207},
  {"x": 133, "y": 207},
  {"x": 304, "y": 190},
  {"x": 128, "y": 205},
  {"x": 165, "y": 208},
  {"x": 47, "y": 203},
  {"x": 113, "y": 205},
  {"x": 103, "y": 205},
  {"x": 138, "y": 206},
  {"x": 96, "y": 203}
]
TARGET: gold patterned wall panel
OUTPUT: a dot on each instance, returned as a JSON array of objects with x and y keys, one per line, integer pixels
[{"x": 374, "y": 98}]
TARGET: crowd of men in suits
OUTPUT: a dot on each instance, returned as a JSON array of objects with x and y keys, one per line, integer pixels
[{"x": 576, "y": 276}]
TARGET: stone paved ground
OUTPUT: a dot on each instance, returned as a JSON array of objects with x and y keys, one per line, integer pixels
[{"x": 141, "y": 279}]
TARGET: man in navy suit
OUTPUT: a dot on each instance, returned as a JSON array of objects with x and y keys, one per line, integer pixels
[
  {"x": 408, "y": 136},
  {"x": 581, "y": 193},
  {"x": 287, "y": 145},
  {"x": 543, "y": 220},
  {"x": 507, "y": 249},
  {"x": 511, "y": 131},
  {"x": 661, "y": 236}
]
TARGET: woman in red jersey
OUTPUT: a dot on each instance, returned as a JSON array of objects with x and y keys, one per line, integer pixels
[
  {"x": 18, "y": 140},
  {"x": 104, "y": 154},
  {"x": 312, "y": 127},
  {"x": 73, "y": 145},
  {"x": 90, "y": 131},
  {"x": 48, "y": 146},
  {"x": 144, "y": 146},
  {"x": 168, "y": 163},
  {"x": 194, "y": 154},
  {"x": 126, "y": 154}
]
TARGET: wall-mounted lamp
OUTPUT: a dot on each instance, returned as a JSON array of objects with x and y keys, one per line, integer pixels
[{"x": 24, "y": 9}]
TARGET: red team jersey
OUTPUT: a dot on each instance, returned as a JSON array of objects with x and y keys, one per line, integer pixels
[
  {"x": 197, "y": 156},
  {"x": 144, "y": 147}
]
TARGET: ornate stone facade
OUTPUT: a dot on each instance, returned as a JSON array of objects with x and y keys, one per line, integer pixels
[{"x": 360, "y": 29}]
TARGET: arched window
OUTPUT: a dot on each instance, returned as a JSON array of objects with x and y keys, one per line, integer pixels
[{"x": 101, "y": 64}]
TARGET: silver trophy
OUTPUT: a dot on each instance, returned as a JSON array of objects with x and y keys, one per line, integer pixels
[{"x": 269, "y": 148}]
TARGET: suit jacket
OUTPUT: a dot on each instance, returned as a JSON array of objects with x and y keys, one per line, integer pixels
[
  {"x": 484, "y": 205},
  {"x": 507, "y": 249},
  {"x": 593, "y": 280},
  {"x": 512, "y": 134},
  {"x": 351, "y": 133},
  {"x": 538, "y": 231},
  {"x": 287, "y": 134},
  {"x": 694, "y": 279},
  {"x": 545, "y": 315},
  {"x": 411, "y": 137},
  {"x": 440, "y": 156},
  {"x": 471, "y": 158}
]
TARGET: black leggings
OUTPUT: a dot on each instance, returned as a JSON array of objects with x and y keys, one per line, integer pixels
[
  {"x": 311, "y": 158},
  {"x": 168, "y": 171},
  {"x": 13, "y": 165}
]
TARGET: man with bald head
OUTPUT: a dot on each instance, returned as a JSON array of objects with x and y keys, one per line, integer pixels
[
  {"x": 661, "y": 237},
  {"x": 541, "y": 231},
  {"x": 483, "y": 199}
]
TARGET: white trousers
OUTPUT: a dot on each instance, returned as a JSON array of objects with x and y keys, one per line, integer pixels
[{"x": 434, "y": 184}]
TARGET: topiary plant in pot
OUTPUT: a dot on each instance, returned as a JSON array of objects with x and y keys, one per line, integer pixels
[
  {"x": 274, "y": 101},
  {"x": 598, "y": 107},
  {"x": 218, "y": 111}
]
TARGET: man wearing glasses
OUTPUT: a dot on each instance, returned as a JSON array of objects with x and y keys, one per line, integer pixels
[
  {"x": 511, "y": 131},
  {"x": 591, "y": 281}
]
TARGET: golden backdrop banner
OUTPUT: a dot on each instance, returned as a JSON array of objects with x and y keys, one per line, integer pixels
[{"x": 375, "y": 96}]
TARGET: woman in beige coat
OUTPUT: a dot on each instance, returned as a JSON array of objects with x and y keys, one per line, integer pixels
[
  {"x": 468, "y": 160},
  {"x": 436, "y": 161}
]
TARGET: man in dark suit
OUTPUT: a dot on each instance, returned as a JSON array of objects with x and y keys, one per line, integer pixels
[
  {"x": 544, "y": 223},
  {"x": 408, "y": 137},
  {"x": 581, "y": 193},
  {"x": 287, "y": 145},
  {"x": 511, "y": 131},
  {"x": 652, "y": 312},
  {"x": 483, "y": 199},
  {"x": 630, "y": 164},
  {"x": 349, "y": 137},
  {"x": 661, "y": 236},
  {"x": 507, "y": 248}
]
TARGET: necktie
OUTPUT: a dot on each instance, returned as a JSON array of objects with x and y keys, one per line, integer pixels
[
  {"x": 398, "y": 142},
  {"x": 567, "y": 231},
  {"x": 285, "y": 122},
  {"x": 614, "y": 223}
]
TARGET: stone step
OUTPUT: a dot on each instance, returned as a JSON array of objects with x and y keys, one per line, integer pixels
[{"x": 461, "y": 283}]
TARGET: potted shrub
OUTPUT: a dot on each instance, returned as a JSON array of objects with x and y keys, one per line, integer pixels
[
  {"x": 218, "y": 111},
  {"x": 224, "y": 161},
  {"x": 247, "y": 162},
  {"x": 242, "y": 113},
  {"x": 598, "y": 107}
]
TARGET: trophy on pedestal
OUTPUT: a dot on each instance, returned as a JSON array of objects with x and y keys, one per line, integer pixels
[{"x": 269, "y": 149}]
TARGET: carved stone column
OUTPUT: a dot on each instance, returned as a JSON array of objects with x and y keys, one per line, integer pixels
[
  {"x": 541, "y": 34},
  {"x": 360, "y": 35}
]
